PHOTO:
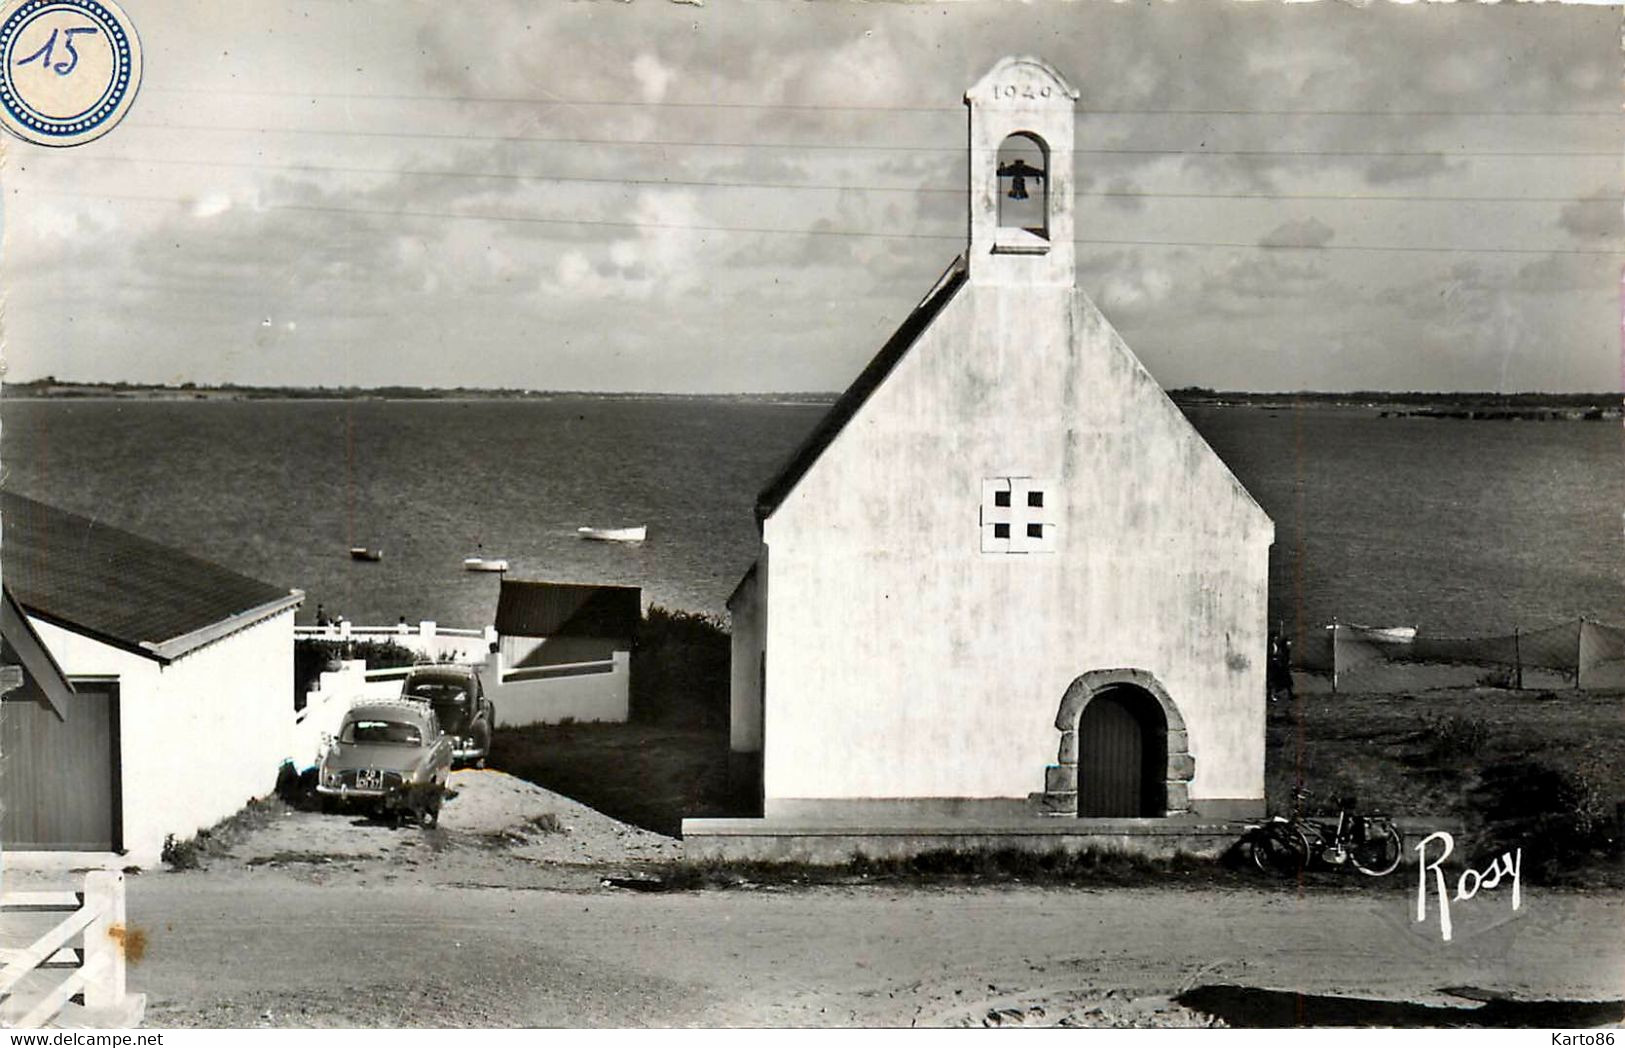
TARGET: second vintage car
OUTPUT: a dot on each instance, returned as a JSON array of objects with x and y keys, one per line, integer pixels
[
  {"x": 458, "y": 698},
  {"x": 389, "y": 757}
]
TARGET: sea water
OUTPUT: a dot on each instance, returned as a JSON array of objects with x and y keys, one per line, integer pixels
[{"x": 1458, "y": 526}]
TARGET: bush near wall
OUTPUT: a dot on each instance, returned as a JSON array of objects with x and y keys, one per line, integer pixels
[
  {"x": 680, "y": 663},
  {"x": 311, "y": 657}
]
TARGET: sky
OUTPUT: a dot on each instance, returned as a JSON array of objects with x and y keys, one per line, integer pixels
[{"x": 748, "y": 197}]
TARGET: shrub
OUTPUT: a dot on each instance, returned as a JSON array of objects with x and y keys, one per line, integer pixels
[
  {"x": 311, "y": 656},
  {"x": 181, "y": 855},
  {"x": 680, "y": 664},
  {"x": 1454, "y": 736},
  {"x": 1561, "y": 816}
]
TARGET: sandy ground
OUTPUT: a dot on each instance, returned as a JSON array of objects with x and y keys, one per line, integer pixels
[
  {"x": 492, "y": 826},
  {"x": 494, "y": 920}
]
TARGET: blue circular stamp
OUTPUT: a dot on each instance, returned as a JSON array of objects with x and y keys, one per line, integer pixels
[{"x": 69, "y": 69}]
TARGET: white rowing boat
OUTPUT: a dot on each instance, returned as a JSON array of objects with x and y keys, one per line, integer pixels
[
  {"x": 484, "y": 564},
  {"x": 637, "y": 534}
]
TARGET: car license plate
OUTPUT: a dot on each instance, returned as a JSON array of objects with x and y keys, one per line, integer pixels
[{"x": 369, "y": 779}]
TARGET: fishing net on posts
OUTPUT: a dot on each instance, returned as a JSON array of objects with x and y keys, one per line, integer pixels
[{"x": 1579, "y": 654}]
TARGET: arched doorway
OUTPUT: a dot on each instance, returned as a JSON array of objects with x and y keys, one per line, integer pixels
[
  {"x": 1122, "y": 754},
  {"x": 1123, "y": 750}
]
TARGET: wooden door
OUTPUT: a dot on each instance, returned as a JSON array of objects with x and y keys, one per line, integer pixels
[
  {"x": 1120, "y": 740},
  {"x": 59, "y": 777}
]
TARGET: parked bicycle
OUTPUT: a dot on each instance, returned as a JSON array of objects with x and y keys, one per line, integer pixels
[{"x": 1371, "y": 843}]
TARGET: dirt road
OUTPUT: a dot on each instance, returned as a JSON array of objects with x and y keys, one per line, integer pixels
[
  {"x": 276, "y": 952},
  {"x": 501, "y": 917}
]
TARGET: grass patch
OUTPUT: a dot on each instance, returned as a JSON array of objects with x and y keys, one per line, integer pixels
[
  {"x": 193, "y": 853},
  {"x": 648, "y": 775},
  {"x": 944, "y": 867},
  {"x": 1543, "y": 771}
]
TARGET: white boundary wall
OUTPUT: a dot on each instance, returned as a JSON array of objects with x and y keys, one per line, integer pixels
[{"x": 578, "y": 691}]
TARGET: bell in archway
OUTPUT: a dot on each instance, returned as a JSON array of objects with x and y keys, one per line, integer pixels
[{"x": 1018, "y": 171}]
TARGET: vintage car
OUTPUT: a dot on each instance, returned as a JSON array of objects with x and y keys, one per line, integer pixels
[
  {"x": 457, "y": 697},
  {"x": 390, "y": 757}
]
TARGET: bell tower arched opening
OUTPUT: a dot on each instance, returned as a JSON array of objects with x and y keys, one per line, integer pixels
[{"x": 1023, "y": 173}]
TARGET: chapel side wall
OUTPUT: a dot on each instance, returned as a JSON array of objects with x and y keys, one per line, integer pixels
[
  {"x": 748, "y": 638},
  {"x": 907, "y": 664}
]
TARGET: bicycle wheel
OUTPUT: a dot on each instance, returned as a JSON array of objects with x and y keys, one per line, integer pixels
[
  {"x": 1280, "y": 849},
  {"x": 1378, "y": 855}
]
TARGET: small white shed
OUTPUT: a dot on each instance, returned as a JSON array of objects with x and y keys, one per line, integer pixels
[{"x": 181, "y": 707}]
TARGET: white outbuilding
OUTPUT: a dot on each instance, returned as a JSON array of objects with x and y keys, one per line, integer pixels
[
  {"x": 1004, "y": 583},
  {"x": 179, "y": 704}
]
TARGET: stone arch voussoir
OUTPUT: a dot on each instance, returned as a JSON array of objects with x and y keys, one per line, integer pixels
[{"x": 1060, "y": 796}]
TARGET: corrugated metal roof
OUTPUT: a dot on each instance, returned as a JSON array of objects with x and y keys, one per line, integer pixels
[
  {"x": 565, "y": 609},
  {"x": 118, "y": 587},
  {"x": 858, "y": 393}
]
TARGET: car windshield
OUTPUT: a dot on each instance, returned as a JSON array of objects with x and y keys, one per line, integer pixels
[
  {"x": 437, "y": 690},
  {"x": 375, "y": 731}
]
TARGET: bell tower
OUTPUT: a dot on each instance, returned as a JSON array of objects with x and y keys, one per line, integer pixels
[{"x": 1021, "y": 175}]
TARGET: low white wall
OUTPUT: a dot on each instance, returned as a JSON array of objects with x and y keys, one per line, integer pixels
[
  {"x": 325, "y": 706},
  {"x": 580, "y": 696}
]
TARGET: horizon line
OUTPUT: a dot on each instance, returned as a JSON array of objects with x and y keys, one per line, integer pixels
[{"x": 193, "y": 387}]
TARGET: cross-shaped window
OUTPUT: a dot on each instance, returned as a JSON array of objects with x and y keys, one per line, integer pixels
[{"x": 1019, "y": 515}]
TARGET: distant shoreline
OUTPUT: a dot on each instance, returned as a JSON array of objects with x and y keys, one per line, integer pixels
[
  {"x": 1469, "y": 405},
  {"x": 130, "y": 391}
]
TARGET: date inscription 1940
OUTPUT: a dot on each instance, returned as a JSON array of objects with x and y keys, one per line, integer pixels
[{"x": 1022, "y": 91}]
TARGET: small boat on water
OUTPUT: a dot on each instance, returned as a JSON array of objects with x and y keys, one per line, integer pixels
[
  {"x": 637, "y": 534},
  {"x": 484, "y": 564},
  {"x": 366, "y": 553},
  {"x": 1383, "y": 634}
]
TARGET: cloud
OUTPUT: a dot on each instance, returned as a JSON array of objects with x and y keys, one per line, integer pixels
[
  {"x": 659, "y": 260},
  {"x": 1409, "y": 168},
  {"x": 652, "y": 75},
  {"x": 1597, "y": 217},
  {"x": 211, "y": 204},
  {"x": 1124, "y": 195},
  {"x": 1299, "y": 232},
  {"x": 1135, "y": 290}
]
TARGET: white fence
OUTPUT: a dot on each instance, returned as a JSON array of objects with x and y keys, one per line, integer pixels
[
  {"x": 89, "y": 941},
  {"x": 431, "y": 641}
]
